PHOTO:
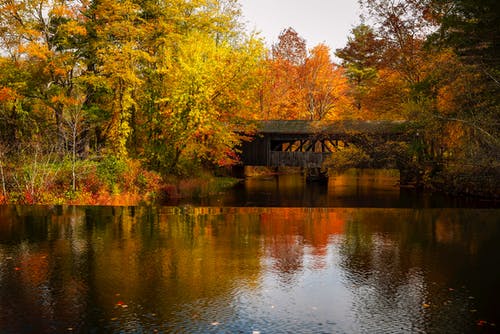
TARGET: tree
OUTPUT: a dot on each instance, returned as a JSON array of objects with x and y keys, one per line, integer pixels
[
  {"x": 207, "y": 98},
  {"x": 325, "y": 86},
  {"x": 362, "y": 57},
  {"x": 118, "y": 56},
  {"x": 74, "y": 130},
  {"x": 472, "y": 28},
  {"x": 290, "y": 47},
  {"x": 41, "y": 36},
  {"x": 445, "y": 53},
  {"x": 403, "y": 26},
  {"x": 281, "y": 92},
  {"x": 298, "y": 85}
]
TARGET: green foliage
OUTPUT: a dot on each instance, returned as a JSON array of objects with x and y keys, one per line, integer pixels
[
  {"x": 348, "y": 157},
  {"x": 110, "y": 170}
]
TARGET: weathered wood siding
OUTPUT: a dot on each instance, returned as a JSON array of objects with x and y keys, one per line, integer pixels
[
  {"x": 256, "y": 152},
  {"x": 297, "y": 159}
]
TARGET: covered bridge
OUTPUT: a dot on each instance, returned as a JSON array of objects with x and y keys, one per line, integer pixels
[{"x": 307, "y": 144}]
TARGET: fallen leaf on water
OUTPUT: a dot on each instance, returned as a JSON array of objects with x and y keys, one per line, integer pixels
[
  {"x": 424, "y": 305},
  {"x": 482, "y": 322},
  {"x": 113, "y": 319},
  {"x": 17, "y": 268}
]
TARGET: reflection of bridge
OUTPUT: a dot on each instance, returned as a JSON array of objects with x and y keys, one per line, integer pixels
[{"x": 308, "y": 143}]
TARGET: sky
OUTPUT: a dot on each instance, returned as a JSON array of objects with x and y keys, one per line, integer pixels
[{"x": 317, "y": 21}]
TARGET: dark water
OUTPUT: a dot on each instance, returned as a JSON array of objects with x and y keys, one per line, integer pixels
[
  {"x": 217, "y": 269},
  {"x": 355, "y": 188}
]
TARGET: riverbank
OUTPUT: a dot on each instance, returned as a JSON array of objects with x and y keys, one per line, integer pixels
[
  {"x": 107, "y": 181},
  {"x": 115, "y": 182}
]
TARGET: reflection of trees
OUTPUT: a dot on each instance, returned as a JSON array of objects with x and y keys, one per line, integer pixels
[
  {"x": 188, "y": 265},
  {"x": 399, "y": 260},
  {"x": 44, "y": 287},
  {"x": 84, "y": 261},
  {"x": 287, "y": 231}
]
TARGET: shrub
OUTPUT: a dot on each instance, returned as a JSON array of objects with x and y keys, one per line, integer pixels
[
  {"x": 110, "y": 171},
  {"x": 349, "y": 157}
]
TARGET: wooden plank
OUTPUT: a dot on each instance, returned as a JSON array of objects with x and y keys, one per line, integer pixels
[{"x": 298, "y": 159}]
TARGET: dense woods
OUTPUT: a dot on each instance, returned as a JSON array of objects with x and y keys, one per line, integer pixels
[{"x": 105, "y": 98}]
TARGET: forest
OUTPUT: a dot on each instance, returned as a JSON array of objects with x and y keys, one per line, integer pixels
[{"x": 109, "y": 101}]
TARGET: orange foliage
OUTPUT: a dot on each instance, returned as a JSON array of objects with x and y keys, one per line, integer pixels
[
  {"x": 281, "y": 95},
  {"x": 325, "y": 86},
  {"x": 385, "y": 99},
  {"x": 7, "y": 94},
  {"x": 315, "y": 89},
  {"x": 36, "y": 50}
]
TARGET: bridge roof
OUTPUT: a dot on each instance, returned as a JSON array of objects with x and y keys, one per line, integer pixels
[{"x": 299, "y": 127}]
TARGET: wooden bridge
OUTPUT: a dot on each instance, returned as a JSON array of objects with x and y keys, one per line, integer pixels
[{"x": 308, "y": 143}]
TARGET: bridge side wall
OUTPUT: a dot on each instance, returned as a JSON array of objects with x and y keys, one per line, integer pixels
[
  {"x": 298, "y": 159},
  {"x": 256, "y": 152}
]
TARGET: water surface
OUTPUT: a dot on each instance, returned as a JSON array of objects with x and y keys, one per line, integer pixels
[
  {"x": 353, "y": 189},
  {"x": 216, "y": 269},
  {"x": 272, "y": 255}
]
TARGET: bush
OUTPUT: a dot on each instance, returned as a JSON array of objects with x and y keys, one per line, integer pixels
[
  {"x": 110, "y": 171},
  {"x": 349, "y": 157}
]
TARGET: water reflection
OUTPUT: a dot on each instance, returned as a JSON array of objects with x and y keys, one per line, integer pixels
[
  {"x": 273, "y": 270},
  {"x": 354, "y": 188}
]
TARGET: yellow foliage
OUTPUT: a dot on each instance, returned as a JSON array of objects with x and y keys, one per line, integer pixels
[
  {"x": 35, "y": 50},
  {"x": 74, "y": 28},
  {"x": 61, "y": 10}
]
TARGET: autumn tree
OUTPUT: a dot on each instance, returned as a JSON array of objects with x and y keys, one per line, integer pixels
[
  {"x": 468, "y": 99},
  {"x": 206, "y": 102},
  {"x": 299, "y": 85},
  {"x": 169, "y": 83},
  {"x": 281, "y": 95},
  {"x": 290, "y": 47},
  {"x": 200, "y": 85},
  {"x": 41, "y": 37},
  {"x": 445, "y": 53},
  {"x": 325, "y": 86},
  {"x": 403, "y": 25}
]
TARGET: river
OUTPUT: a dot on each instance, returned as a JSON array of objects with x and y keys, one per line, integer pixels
[{"x": 273, "y": 255}]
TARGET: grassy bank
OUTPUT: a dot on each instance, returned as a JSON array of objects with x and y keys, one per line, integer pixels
[{"x": 105, "y": 181}]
